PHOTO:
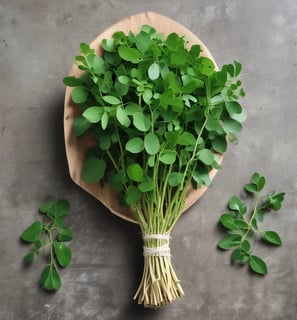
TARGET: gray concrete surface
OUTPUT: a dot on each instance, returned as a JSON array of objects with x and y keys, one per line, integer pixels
[{"x": 38, "y": 40}]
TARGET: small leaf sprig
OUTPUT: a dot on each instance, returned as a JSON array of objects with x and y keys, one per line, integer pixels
[
  {"x": 52, "y": 234},
  {"x": 243, "y": 228}
]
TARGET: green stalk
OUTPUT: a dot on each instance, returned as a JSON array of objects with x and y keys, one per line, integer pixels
[{"x": 250, "y": 227}]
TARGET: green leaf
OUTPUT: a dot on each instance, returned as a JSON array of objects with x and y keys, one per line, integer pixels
[
  {"x": 122, "y": 117},
  {"x": 236, "y": 255},
  {"x": 201, "y": 177},
  {"x": 93, "y": 169},
  {"x": 175, "y": 179},
  {"x": 104, "y": 142},
  {"x": 123, "y": 79},
  {"x": 229, "y": 241},
  {"x": 116, "y": 179},
  {"x": 240, "y": 117},
  {"x": 186, "y": 139},
  {"x": 53, "y": 209},
  {"x": 250, "y": 187},
  {"x": 147, "y": 96},
  {"x": 151, "y": 143},
  {"x": 135, "y": 145},
  {"x": 63, "y": 253},
  {"x": 72, "y": 82},
  {"x": 47, "y": 207},
  {"x": 207, "y": 67},
  {"x": 146, "y": 185},
  {"x": 32, "y": 233},
  {"x": 205, "y": 156},
  {"x": 231, "y": 126},
  {"x": 141, "y": 122},
  {"x": 227, "y": 221},
  {"x": 108, "y": 45},
  {"x": 79, "y": 95},
  {"x": 28, "y": 258},
  {"x": 237, "y": 205},
  {"x": 245, "y": 246},
  {"x": 178, "y": 58},
  {"x": 132, "y": 108},
  {"x": 50, "y": 278},
  {"x": 93, "y": 114},
  {"x": 154, "y": 71},
  {"x": 174, "y": 42},
  {"x": 219, "y": 144},
  {"x": 61, "y": 208},
  {"x": 98, "y": 65},
  {"x": 143, "y": 41},
  {"x": 260, "y": 183},
  {"x": 151, "y": 161},
  {"x": 241, "y": 224},
  {"x": 112, "y": 100},
  {"x": 276, "y": 200},
  {"x": 85, "y": 48},
  {"x": 255, "y": 177},
  {"x": 133, "y": 194},
  {"x": 135, "y": 172},
  {"x": 104, "y": 120},
  {"x": 237, "y": 68},
  {"x": 233, "y": 107},
  {"x": 65, "y": 234},
  {"x": 129, "y": 54},
  {"x": 258, "y": 265},
  {"x": 167, "y": 156},
  {"x": 271, "y": 237},
  {"x": 80, "y": 126}
]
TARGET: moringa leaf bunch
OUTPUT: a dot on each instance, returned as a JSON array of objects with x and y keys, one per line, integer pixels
[{"x": 160, "y": 113}]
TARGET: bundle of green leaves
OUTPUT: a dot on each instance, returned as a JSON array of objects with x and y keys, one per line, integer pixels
[{"x": 160, "y": 114}]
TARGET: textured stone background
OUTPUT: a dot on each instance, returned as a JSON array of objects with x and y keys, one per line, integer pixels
[{"x": 38, "y": 40}]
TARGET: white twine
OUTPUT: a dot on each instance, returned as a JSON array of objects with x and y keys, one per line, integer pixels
[{"x": 162, "y": 251}]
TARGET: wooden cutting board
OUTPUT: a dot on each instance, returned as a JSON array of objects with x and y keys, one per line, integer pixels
[{"x": 75, "y": 148}]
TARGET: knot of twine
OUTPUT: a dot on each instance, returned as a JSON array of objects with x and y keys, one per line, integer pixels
[{"x": 162, "y": 250}]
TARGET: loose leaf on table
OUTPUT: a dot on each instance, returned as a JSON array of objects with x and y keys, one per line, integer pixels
[
  {"x": 258, "y": 265},
  {"x": 62, "y": 253},
  {"x": 50, "y": 234},
  {"x": 242, "y": 228},
  {"x": 271, "y": 237},
  {"x": 32, "y": 233},
  {"x": 50, "y": 278}
]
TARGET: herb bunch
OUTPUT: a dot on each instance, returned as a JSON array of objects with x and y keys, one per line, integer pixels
[
  {"x": 243, "y": 229},
  {"x": 159, "y": 113},
  {"x": 52, "y": 233}
]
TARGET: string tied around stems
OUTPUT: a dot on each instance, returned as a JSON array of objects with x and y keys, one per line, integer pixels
[{"x": 161, "y": 250}]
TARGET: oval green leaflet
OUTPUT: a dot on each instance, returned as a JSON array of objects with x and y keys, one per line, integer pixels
[
  {"x": 258, "y": 265},
  {"x": 135, "y": 172},
  {"x": 111, "y": 100},
  {"x": 135, "y": 145},
  {"x": 93, "y": 114},
  {"x": 271, "y": 237},
  {"x": 63, "y": 253},
  {"x": 122, "y": 117},
  {"x": 93, "y": 169},
  {"x": 50, "y": 278},
  {"x": 32, "y": 233},
  {"x": 79, "y": 95},
  {"x": 151, "y": 143},
  {"x": 129, "y": 54},
  {"x": 154, "y": 71}
]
